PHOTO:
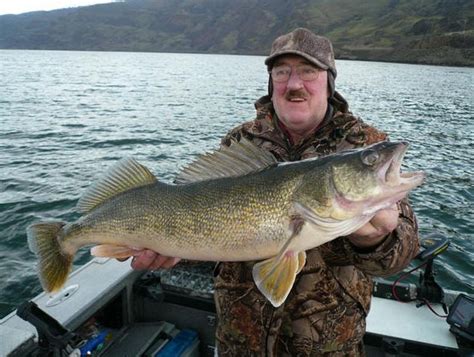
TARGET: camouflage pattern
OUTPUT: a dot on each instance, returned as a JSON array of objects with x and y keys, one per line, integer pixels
[{"x": 325, "y": 313}]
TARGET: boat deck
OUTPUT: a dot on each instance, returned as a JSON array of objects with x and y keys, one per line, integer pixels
[{"x": 127, "y": 301}]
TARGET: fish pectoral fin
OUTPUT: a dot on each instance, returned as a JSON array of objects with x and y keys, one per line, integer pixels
[
  {"x": 113, "y": 251},
  {"x": 275, "y": 277}
]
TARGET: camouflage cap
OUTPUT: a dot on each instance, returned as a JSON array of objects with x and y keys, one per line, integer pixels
[{"x": 316, "y": 49}]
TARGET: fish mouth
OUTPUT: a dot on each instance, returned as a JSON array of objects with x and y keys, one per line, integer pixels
[{"x": 390, "y": 173}]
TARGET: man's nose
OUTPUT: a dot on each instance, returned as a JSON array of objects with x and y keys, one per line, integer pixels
[{"x": 294, "y": 82}]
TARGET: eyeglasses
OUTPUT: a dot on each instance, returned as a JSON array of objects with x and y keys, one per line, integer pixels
[{"x": 305, "y": 72}]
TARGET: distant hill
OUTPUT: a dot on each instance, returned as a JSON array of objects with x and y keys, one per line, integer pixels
[{"x": 423, "y": 31}]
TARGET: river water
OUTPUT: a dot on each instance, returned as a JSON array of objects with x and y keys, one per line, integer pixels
[{"x": 65, "y": 117}]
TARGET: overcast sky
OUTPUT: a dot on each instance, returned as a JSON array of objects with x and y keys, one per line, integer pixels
[{"x": 20, "y": 6}]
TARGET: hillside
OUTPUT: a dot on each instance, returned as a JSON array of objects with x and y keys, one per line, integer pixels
[{"x": 424, "y": 31}]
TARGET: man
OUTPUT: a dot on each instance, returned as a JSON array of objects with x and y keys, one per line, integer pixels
[{"x": 304, "y": 116}]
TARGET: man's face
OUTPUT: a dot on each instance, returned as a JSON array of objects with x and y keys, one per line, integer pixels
[{"x": 300, "y": 105}]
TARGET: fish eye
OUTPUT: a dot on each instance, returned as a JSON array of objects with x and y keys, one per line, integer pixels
[{"x": 370, "y": 157}]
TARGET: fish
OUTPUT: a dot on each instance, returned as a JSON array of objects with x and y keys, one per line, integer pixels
[{"x": 236, "y": 203}]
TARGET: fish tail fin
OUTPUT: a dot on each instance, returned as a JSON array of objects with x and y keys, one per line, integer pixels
[
  {"x": 54, "y": 263},
  {"x": 275, "y": 277},
  {"x": 113, "y": 251}
]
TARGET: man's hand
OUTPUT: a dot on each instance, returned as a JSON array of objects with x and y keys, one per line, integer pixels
[
  {"x": 149, "y": 260},
  {"x": 374, "y": 231}
]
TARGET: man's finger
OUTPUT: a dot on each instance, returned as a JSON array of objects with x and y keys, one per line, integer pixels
[{"x": 143, "y": 260}]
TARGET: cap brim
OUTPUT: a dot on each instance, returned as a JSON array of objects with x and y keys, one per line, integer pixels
[{"x": 270, "y": 59}]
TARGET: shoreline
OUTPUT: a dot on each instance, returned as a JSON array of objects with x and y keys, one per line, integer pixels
[{"x": 346, "y": 56}]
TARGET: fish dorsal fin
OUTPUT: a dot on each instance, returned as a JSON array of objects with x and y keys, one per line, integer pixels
[
  {"x": 123, "y": 176},
  {"x": 239, "y": 159}
]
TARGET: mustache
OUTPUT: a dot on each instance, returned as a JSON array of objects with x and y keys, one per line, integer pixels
[{"x": 295, "y": 94}]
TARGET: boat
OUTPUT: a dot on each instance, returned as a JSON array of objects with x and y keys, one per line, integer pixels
[{"x": 109, "y": 309}]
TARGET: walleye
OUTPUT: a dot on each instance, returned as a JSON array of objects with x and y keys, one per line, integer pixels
[{"x": 234, "y": 204}]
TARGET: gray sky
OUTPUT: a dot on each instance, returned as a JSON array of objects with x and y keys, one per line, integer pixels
[{"x": 20, "y": 6}]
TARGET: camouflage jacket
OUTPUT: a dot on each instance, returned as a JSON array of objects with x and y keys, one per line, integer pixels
[{"x": 326, "y": 309}]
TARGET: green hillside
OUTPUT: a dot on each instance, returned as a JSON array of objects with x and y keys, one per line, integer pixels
[{"x": 423, "y": 31}]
